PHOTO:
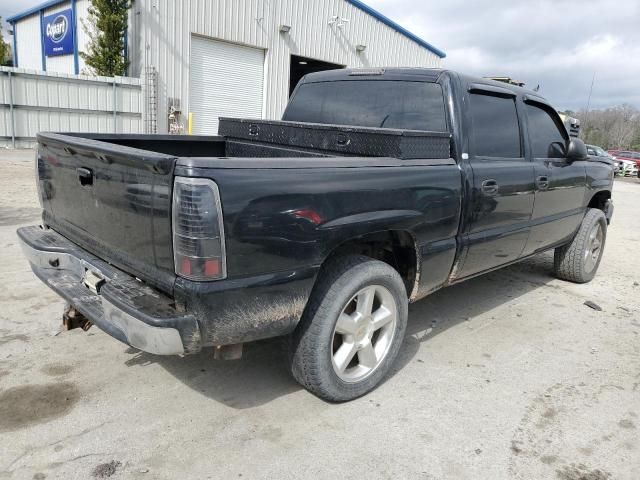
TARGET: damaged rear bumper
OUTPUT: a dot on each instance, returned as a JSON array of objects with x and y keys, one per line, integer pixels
[{"x": 111, "y": 299}]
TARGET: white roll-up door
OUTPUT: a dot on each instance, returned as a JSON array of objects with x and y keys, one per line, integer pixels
[{"x": 226, "y": 80}]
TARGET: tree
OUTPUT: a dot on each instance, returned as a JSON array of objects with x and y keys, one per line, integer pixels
[
  {"x": 106, "y": 27},
  {"x": 5, "y": 50},
  {"x": 615, "y": 127}
]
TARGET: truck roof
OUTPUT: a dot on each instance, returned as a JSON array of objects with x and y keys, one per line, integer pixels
[
  {"x": 422, "y": 74},
  {"x": 407, "y": 73}
]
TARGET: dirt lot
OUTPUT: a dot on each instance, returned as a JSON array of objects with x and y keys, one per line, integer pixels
[{"x": 509, "y": 376}]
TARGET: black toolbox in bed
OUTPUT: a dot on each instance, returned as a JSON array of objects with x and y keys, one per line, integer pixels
[{"x": 315, "y": 138}]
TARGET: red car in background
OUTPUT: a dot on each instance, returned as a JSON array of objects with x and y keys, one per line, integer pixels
[{"x": 625, "y": 155}]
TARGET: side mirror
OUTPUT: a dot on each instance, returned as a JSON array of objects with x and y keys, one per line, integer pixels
[{"x": 577, "y": 150}]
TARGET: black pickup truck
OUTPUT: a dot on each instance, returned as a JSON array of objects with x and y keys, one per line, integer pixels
[{"x": 379, "y": 187}]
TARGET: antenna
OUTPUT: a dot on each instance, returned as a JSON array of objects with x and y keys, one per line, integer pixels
[
  {"x": 593, "y": 79},
  {"x": 586, "y": 120}
]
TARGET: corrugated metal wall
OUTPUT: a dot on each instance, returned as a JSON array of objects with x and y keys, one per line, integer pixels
[
  {"x": 82, "y": 16},
  {"x": 28, "y": 42},
  {"x": 164, "y": 30},
  {"x": 32, "y": 102}
]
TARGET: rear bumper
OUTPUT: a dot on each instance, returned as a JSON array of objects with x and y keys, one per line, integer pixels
[{"x": 121, "y": 306}]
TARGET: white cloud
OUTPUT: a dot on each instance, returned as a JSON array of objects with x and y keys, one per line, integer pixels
[{"x": 558, "y": 44}]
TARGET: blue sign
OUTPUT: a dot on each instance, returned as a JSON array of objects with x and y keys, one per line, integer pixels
[{"x": 57, "y": 31}]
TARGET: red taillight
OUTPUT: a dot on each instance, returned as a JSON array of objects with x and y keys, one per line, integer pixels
[
  {"x": 198, "y": 232},
  {"x": 212, "y": 268},
  {"x": 185, "y": 267},
  {"x": 308, "y": 214}
]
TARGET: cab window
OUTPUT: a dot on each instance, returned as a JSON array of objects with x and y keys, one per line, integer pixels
[
  {"x": 546, "y": 133},
  {"x": 370, "y": 103},
  {"x": 496, "y": 131}
]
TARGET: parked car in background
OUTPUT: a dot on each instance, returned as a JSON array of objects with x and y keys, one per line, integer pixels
[
  {"x": 595, "y": 151},
  {"x": 626, "y": 155},
  {"x": 629, "y": 168}
]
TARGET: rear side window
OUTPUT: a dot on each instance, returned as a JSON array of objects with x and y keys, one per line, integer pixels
[
  {"x": 546, "y": 133},
  {"x": 370, "y": 103},
  {"x": 496, "y": 132}
]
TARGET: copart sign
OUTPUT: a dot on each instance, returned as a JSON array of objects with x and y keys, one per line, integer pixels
[{"x": 57, "y": 31}]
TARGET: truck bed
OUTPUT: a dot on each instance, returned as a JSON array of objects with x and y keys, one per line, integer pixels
[
  {"x": 123, "y": 216},
  {"x": 248, "y": 138}
]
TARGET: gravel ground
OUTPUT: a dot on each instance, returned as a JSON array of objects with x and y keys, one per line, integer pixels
[{"x": 508, "y": 376}]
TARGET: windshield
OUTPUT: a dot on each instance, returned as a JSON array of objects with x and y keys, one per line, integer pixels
[
  {"x": 370, "y": 103},
  {"x": 600, "y": 152}
]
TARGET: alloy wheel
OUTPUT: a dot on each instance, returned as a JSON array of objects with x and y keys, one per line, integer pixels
[
  {"x": 364, "y": 333},
  {"x": 593, "y": 248}
]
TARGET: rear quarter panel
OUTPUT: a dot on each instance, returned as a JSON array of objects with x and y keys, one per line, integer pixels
[{"x": 287, "y": 219}]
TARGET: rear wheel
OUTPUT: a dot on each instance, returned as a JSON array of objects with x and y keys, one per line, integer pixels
[
  {"x": 578, "y": 261},
  {"x": 352, "y": 329}
]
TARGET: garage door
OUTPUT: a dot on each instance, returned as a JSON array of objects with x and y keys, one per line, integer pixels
[{"x": 226, "y": 81}]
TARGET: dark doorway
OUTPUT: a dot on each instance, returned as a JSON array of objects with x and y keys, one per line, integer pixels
[{"x": 300, "y": 66}]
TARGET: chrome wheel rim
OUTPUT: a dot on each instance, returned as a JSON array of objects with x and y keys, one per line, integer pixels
[
  {"x": 364, "y": 333},
  {"x": 594, "y": 248}
]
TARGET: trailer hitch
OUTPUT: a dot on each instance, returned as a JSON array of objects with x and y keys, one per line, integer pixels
[
  {"x": 72, "y": 318},
  {"x": 228, "y": 352}
]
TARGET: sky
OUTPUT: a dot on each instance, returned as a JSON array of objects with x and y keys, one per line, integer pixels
[{"x": 557, "y": 44}]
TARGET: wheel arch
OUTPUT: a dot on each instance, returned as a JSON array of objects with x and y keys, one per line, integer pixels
[
  {"x": 397, "y": 248},
  {"x": 599, "y": 200},
  {"x": 602, "y": 201}
]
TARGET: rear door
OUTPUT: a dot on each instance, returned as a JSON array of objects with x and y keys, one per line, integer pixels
[
  {"x": 560, "y": 184},
  {"x": 501, "y": 196}
]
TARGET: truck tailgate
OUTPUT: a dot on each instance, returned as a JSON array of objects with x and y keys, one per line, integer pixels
[{"x": 111, "y": 200}]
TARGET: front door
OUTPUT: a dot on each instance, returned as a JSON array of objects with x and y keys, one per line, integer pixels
[
  {"x": 560, "y": 184},
  {"x": 497, "y": 222}
]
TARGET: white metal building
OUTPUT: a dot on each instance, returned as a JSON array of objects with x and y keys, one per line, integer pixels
[{"x": 215, "y": 58}]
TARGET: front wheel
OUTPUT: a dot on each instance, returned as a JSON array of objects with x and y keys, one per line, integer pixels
[
  {"x": 352, "y": 329},
  {"x": 578, "y": 261}
]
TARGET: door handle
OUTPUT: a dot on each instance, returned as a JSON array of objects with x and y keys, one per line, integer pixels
[
  {"x": 85, "y": 176},
  {"x": 490, "y": 187},
  {"x": 542, "y": 182}
]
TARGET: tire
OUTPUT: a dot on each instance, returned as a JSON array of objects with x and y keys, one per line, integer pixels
[
  {"x": 320, "y": 347},
  {"x": 578, "y": 261}
]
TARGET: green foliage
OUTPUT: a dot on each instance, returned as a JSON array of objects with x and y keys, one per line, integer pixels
[
  {"x": 5, "y": 50},
  {"x": 106, "y": 28}
]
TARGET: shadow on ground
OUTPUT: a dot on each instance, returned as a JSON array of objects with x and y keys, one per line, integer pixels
[{"x": 261, "y": 375}]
